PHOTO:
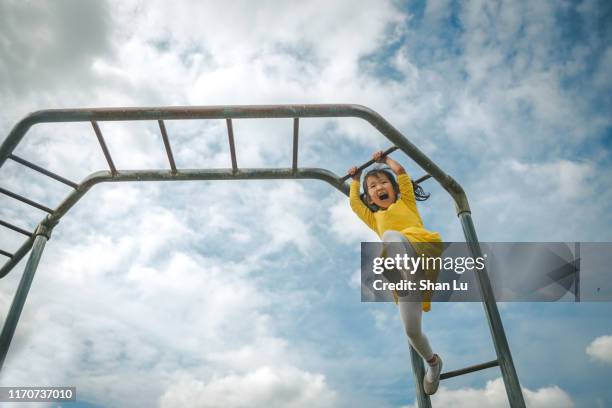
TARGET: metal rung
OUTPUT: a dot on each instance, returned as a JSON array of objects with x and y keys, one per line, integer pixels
[
  {"x": 366, "y": 164},
  {"x": 369, "y": 163},
  {"x": 230, "y": 135},
  {"x": 296, "y": 129},
  {"x": 422, "y": 179},
  {"x": 25, "y": 200},
  {"x": 164, "y": 133},
  {"x": 469, "y": 369},
  {"x": 15, "y": 228},
  {"x": 43, "y": 171},
  {"x": 107, "y": 155},
  {"x": 8, "y": 254}
]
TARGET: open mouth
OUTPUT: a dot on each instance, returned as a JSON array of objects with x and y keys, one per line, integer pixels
[{"x": 383, "y": 196}]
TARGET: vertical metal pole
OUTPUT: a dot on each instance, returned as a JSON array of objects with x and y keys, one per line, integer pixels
[
  {"x": 21, "y": 294},
  {"x": 511, "y": 382},
  {"x": 418, "y": 370}
]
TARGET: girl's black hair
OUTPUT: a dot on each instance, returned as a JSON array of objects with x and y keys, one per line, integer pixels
[{"x": 419, "y": 194}]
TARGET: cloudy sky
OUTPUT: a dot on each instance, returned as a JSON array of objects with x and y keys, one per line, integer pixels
[{"x": 243, "y": 294}]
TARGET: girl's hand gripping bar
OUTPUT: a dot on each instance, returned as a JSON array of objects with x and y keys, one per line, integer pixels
[{"x": 369, "y": 163}]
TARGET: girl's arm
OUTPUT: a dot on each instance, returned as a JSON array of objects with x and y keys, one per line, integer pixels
[{"x": 358, "y": 207}]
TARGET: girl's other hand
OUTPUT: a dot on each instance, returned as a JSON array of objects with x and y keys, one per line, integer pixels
[
  {"x": 378, "y": 156},
  {"x": 354, "y": 173}
]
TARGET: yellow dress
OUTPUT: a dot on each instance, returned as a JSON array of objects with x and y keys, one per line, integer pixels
[{"x": 402, "y": 216}]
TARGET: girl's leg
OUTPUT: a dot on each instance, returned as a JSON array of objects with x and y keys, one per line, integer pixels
[{"x": 410, "y": 311}]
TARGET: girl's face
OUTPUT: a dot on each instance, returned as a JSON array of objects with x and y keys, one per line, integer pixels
[{"x": 380, "y": 190}]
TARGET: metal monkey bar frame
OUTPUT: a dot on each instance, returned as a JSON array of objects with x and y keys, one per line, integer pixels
[{"x": 37, "y": 239}]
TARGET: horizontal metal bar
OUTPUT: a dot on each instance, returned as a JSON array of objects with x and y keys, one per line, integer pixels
[
  {"x": 107, "y": 155},
  {"x": 422, "y": 179},
  {"x": 25, "y": 200},
  {"x": 370, "y": 162},
  {"x": 385, "y": 153},
  {"x": 197, "y": 112},
  {"x": 180, "y": 175},
  {"x": 469, "y": 369},
  {"x": 7, "y": 254},
  {"x": 43, "y": 171},
  {"x": 15, "y": 228},
  {"x": 162, "y": 128},
  {"x": 193, "y": 175}
]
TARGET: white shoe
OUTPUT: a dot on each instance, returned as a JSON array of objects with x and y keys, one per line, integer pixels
[{"x": 432, "y": 377}]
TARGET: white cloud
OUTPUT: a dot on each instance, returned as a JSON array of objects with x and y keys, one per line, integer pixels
[
  {"x": 562, "y": 179},
  {"x": 494, "y": 396},
  {"x": 119, "y": 200},
  {"x": 266, "y": 386},
  {"x": 285, "y": 210},
  {"x": 142, "y": 284},
  {"x": 33, "y": 51},
  {"x": 346, "y": 226},
  {"x": 600, "y": 349}
]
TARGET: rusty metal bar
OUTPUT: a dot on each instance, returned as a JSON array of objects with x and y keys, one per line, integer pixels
[
  {"x": 242, "y": 111},
  {"x": 183, "y": 175},
  {"x": 385, "y": 153},
  {"x": 107, "y": 155},
  {"x": 422, "y": 179},
  {"x": 162, "y": 128},
  {"x": 418, "y": 372},
  {"x": 7, "y": 254},
  {"x": 496, "y": 328},
  {"x": 470, "y": 369},
  {"x": 230, "y": 135},
  {"x": 25, "y": 200},
  {"x": 43, "y": 171},
  {"x": 17, "y": 256},
  {"x": 296, "y": 129},
  {"x": 15, "y": 228},
  {"x": 12, "y": 318},
  {"x": 370, "y": 162}
]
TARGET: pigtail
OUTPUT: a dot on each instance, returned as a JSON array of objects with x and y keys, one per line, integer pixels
[{"x": 419, "y": 194}]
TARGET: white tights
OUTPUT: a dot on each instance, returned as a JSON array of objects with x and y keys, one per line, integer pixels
[{"x": 410, "y": 311}]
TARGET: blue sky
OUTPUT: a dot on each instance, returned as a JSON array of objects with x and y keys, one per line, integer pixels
[{"x": 243, "y": 293}]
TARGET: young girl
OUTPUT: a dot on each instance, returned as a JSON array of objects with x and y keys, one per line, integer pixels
[{"x": 392, "y": 213}]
